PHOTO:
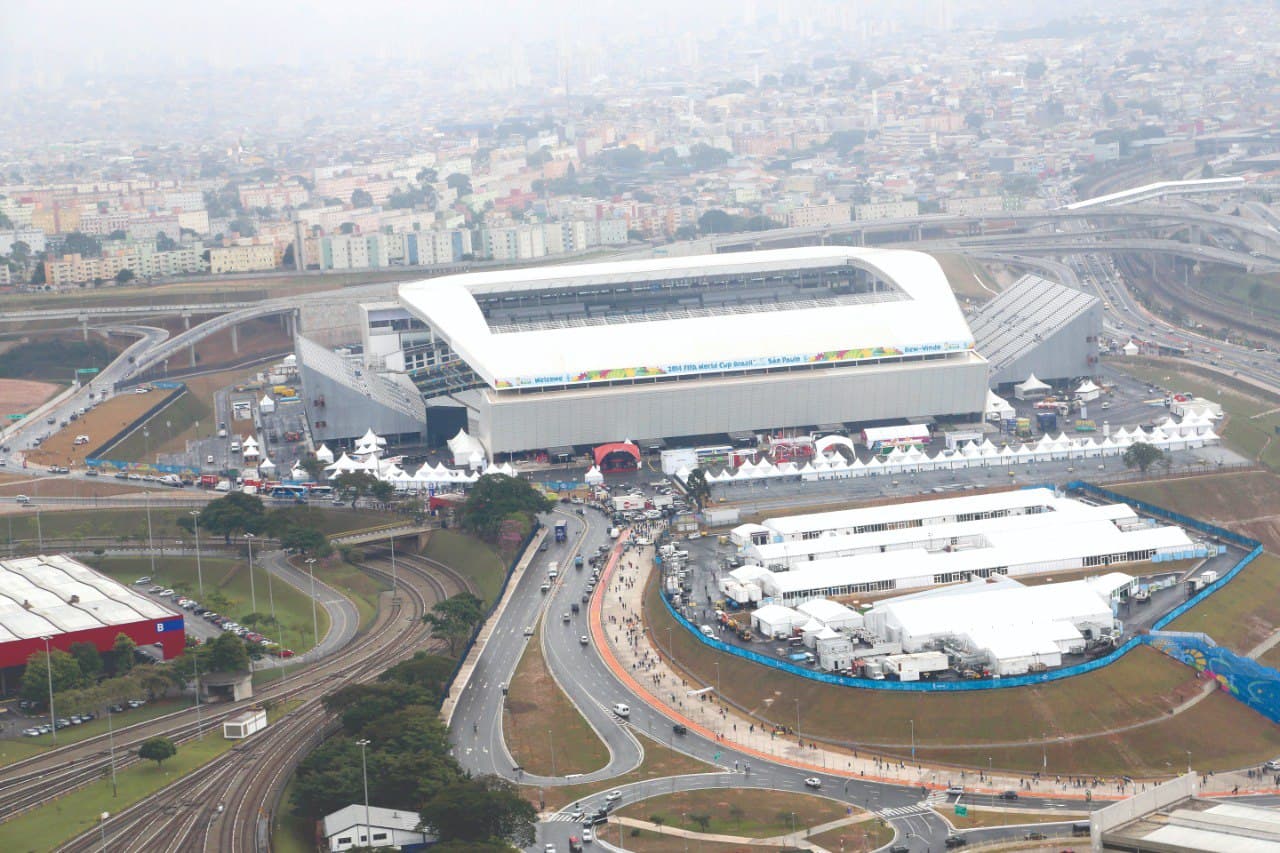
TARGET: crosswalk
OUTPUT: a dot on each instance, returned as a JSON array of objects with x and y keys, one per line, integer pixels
[
  {"x": 561, "y": 817},
  {"x": 904, "y": 811}
]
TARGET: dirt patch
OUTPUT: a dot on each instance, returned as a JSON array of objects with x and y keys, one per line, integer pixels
[
  {"x": 19, "y": 396},
  {"x": 100, "y": 423}
]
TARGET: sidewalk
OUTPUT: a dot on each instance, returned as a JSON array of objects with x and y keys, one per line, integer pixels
[
  {"x": 798, "y": 840},
  {"x": 636, "y": 659}
]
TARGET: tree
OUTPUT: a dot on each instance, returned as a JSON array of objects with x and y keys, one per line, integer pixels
[
  {"x": 361, "y": 198},
  {"x": 122, "y": 653},
  {"x": 1142, "y": 456},
  {"x": 702, "y": 820},
  {"x": 117, "y": 235},
  {"x": 455, "y": 618},
  {"x": 165, "y": 243},
  {"x": 697, "y": 486},
  {"x": 287, "y": 260},
  {"x": 495, "y": 498},
  {"x": 313, "y": 466},
  {"x": 1109, "y": 106},
  {"x": 347, "y": 228},
  {"x": 657, "y": 820},
  {"x": 382, "y": 491},
  {"x": 66, "y": 675},
  {"x": 716, "y": 222},
  {"x": 87, "y": 658},
  {"x": 354, "y": 485},
  {"x": 157, "y": 749},
  {"x": 459, "y": 182},
  {"x": 481, "y": 810},
  {"x": 1207, "y": 171},
  {"x": 236, "y": 513},
  {"x": 37, "y": 274},
  {"x": 244, "y": 227},
  {"x": 227, "y": 653},
  {"x": 124, "y": 276},
  {"x": 307, "y": 540},
  {"x": 77, "y": 243},
  {"x": 6, "y": 224},
  {"x": 426, "y": 176},
  {"x": 1035, "y": 69}
]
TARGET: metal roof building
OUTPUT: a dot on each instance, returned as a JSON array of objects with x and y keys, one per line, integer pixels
[
  {"x": 1038, "y": 326},
  {"x": 582, "y": 354},
  {"x": 65, "y": 600}
]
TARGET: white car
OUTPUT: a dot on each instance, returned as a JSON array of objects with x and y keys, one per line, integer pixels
[
  {"x": 813, "y": 782},
  {"x": 613, "y": 796},
  {"x": 587, "y": 837},
  {"x": 622, "y": 710}
]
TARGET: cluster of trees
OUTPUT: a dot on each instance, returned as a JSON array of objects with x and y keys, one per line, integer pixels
[
  {"x": 720, "y": 222},
  {"x": 409, "y": 763},
  {"x": 85, "y": 679},
  {"x": 455, "y": 619},
  {"x": 299, "y": 528},
  {"x": 496, "y": 499}
]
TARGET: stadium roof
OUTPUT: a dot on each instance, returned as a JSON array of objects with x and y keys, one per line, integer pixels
[
  {"x": 1024, "y": 315},
  {"x": 925, "y": 321},
  {"x": 48, "y": 595}
]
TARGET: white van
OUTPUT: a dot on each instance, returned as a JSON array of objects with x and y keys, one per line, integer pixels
[
  {"x": 235, "y": 446},
  {"x": 622, "y": 710}
]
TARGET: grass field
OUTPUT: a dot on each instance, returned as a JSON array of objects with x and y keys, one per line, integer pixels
[
  {"x": 70, "y": 487},
  {"x": 46, "y": 827},
  {"x": 856, "y": 837},
  {"x": 149, "y": 711},
  {"x": 231, "y": 579},
  {"x": 361, "y": 588},
  {"x": 103, "y": 421},
  {"x": 471, "y": 557},
  {"x": 1247, "y": 430},
  {"x": 1245, "y": 501},
  {"x": 541, "y": 722},
  {"x": 289, "y": 832},
  {"x": 649, "y": 841},
  {"x": 659, "y": 761},
  {"x": 1244, "y": 612},
  {"x": 966, "y": 277},
  {"x": 172, "y": 428},
  {"x": 746, "y": 812}
]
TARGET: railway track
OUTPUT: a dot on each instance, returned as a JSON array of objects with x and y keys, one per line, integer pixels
[{"x": 227, "y": 804}]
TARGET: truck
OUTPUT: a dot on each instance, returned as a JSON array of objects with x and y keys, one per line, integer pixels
[{"x": 562, "y": 531}]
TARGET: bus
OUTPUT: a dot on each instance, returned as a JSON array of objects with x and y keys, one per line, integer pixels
[{"x": 562, "y": 531}]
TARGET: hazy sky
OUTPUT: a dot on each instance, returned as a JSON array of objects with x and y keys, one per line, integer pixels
[{"x": 125, "y": 35}]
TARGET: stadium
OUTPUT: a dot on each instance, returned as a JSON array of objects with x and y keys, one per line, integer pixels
[{"x": 677, "y": 348}]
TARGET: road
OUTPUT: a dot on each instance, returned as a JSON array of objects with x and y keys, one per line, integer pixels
[{"x": 592, "y": 686}]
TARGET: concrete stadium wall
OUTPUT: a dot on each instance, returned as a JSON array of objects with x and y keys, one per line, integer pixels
[
  {"x": 511, "y": 422},
  {"x": 1117, "y": 814}
]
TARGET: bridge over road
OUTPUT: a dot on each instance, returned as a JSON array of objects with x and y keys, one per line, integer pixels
[{"x": 383, "y": 534}]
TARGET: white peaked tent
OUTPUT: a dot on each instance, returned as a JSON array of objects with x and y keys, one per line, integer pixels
[
  {"x": 266, "y": 465},
  {"x": 344, "y": 465},
  {"x": 998, "y": 408},
  {"x": 463, "y": 447},
  {"x": 371, "y": 437},
  {"x": 266, "y": 404},
  {"x": 595, "y": 478},
  {"x": 249, "y": 442},
  {"x": 1031, "y": 388},
  {"x": 475, "y": 461},
  {"x": 1130, "y": 348},
  {"x": 1088, "y": 391},
  {"x": 324, "y": 454},
  {"x": 298, "y": 473}
]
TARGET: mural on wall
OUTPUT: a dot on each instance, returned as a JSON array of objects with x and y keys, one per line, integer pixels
[{"x": 1248, "y": 681}]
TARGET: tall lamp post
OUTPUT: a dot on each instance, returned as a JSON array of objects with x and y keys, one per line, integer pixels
[
  {"x": 913, "y": 740},
  {"x": 364, "y": 771},
  {"x": 271, "y": 598},
  {"x": 111, "y": 741},
  {"x": 393, "y": 566},
  {"x": 315, "y": 622},
  {"x": 797, "y": 717},
  {"x": 48, "y": 660},
  {"x": 151, "y": 548},
  {"x": 253, "y": 595},
  {"x": 195, "y": 515}
]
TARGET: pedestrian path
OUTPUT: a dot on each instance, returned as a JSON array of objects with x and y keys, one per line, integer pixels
[{"x": 903, "y": 811}]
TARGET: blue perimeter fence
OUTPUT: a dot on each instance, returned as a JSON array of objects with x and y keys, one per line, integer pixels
[{"x": 1016, "y": 680}]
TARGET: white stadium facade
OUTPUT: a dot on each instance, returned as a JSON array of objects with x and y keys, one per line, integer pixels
[{"x": 577, "y": 355}]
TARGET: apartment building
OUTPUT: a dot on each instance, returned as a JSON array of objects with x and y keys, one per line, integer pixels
[
  {"x": 886, "y": 210},
  {"x": 817, "y": 215},
  {"x": 254, "y": 257}
]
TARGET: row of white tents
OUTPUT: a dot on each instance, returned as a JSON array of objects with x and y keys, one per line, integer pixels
[{"x": 968, "y": 455}]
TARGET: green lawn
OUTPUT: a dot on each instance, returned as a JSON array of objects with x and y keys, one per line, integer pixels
[
  {"x": 231, "y": 579},
  {"x": 1244, "y": 612},
  {"x": 540, "y": 721},
  {"x": 119, "y": 524},
  {"x": 471, "y": 557},
  {"x": 362, "y": 589},
  {"x": 48, "y": 826},
  {"x": 92, "y": 728},
  {"x": 859, "y": 837},
  {"x": 163, "y": 427},
  {"x": 746, "y": 812}
]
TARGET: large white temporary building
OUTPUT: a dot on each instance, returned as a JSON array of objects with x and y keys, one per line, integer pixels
[
  {"x": 1016, "y": 628},
  {"x": 774, "y": 620},
  {"x": 831, "y": 614},
  {"x": 1006, "y": 552}
]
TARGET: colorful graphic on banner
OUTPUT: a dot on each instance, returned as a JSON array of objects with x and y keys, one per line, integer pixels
[
  {"x": 1250, "y": 682},
  {"x": 758, "y": 363}
]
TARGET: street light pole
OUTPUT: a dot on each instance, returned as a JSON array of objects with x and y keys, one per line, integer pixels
[
  {"x": 195, "y": 668},
  {"x": 253, "y": 595},
  {"x": 1044, "y": 752},
  {"x": 315, "y": 623},
  {"x": 111, "y": 741},
  {"x": 195, "y": 514},
  {"x": 393, "y": 566},
  {"x": 271, "y": 598},
  {"x": 151, "y": 548},
  {"x": 364, "y": 771},
  {"x": 718, "y": 693},
  {"x": 797, "y": 717},
  {"x": 552, "y": 743},
  {"x": 913, "y": 740},
  {"x": 48, "y": 660}
]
